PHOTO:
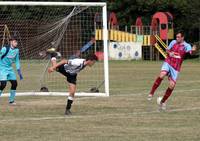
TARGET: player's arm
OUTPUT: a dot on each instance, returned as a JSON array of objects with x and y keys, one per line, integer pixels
[
  {"x": 190, "y": 49},
  {"x": 88, "y": 45},
  {"x": 194, "y": 49},
  {"x": 17, "y": 61},
  {"x": 168, "y": 50},
  {"x": 2, "y": 51},
  {"x": 83, "y": 49},
  {"x": 62, "y": 62},
  {"x": 18, "y": 66}
]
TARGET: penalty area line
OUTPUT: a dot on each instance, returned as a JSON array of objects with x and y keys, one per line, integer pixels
[
  {"x": 123, "y": 115},
  {"x": 158, "y": 92}
]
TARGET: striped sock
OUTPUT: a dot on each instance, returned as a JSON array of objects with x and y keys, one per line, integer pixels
[
  {"x": 167, "y": 95},
  {"x": 156, "y": 85}
]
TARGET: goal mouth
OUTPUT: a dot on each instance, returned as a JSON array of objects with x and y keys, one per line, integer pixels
[{"x": 70, "y": 28}]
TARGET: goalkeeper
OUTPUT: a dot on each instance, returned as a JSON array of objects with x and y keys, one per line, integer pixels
[
  {"x": 70, "y": 68},
  {"x": 9, "y": 55}
]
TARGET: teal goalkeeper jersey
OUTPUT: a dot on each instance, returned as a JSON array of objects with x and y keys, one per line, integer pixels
[{"x": 10, "y": 58}]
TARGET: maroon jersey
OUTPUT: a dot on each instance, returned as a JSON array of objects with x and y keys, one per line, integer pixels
[{"x": 179, "y": 51}]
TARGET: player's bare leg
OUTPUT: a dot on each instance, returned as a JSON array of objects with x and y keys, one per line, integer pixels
[
  {"x": 53, "y": 62},
  {"x": 72, "y": 90},
  {"x": 156, "y": 84},
  {"x": 53, "y": 65}
]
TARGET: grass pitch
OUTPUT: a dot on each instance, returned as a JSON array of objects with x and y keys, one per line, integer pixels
[{"x": 124, "y": 116}]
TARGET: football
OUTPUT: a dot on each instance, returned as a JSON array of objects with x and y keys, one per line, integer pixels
[{"x": 159, "y": 99}]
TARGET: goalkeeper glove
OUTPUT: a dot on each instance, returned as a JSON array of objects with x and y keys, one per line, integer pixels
[{"x": 20, "y": 74}]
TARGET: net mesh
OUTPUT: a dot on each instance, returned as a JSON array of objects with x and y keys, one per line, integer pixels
[{"x": 66, "y": 28}]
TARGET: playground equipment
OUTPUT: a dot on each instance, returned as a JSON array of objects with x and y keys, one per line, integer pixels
[
  {"x": 163, "y": 20},
  {"x": 159, "y": 48},
  {"x": 154, "y": 38}
]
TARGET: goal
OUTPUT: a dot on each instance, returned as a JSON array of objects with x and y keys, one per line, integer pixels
[{"x": 70, "y": 28}]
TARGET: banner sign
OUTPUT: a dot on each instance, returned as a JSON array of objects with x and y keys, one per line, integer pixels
[{"x": 125, "y": 50}]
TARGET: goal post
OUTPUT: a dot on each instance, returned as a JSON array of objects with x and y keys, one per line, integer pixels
[{"x": 66, "y": 26}]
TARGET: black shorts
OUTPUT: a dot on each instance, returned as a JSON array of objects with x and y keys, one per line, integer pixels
[{"x": 70, "y": 78}]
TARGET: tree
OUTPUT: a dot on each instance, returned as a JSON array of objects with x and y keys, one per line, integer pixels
[{"x": 185, "y": 12}]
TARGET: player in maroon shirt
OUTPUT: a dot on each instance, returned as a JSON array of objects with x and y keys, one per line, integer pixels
[{"x": 176, "y": 51}]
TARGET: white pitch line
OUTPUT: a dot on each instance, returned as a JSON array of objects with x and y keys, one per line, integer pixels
[
  {"x": 98, "y": 94},
  {"x": 159, "y": 91},
  {"x": 106, "y": 115},
  {"x": 189, "y": 81},
  {"x": 129, "y": 115},
  {"x": 136, "y": 94}
]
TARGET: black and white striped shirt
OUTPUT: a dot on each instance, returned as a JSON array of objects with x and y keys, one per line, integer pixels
[{"x": 74, "y": 66}]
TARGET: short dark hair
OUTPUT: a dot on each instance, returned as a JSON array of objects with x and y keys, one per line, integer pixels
[
  {"x": 92, "y": 57},
  {"x": 181, "y": 32},
  {"x": 13, "y": 38}
]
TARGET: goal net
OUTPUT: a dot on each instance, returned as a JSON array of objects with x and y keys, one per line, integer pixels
[{"x": 70, "y": 28}]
